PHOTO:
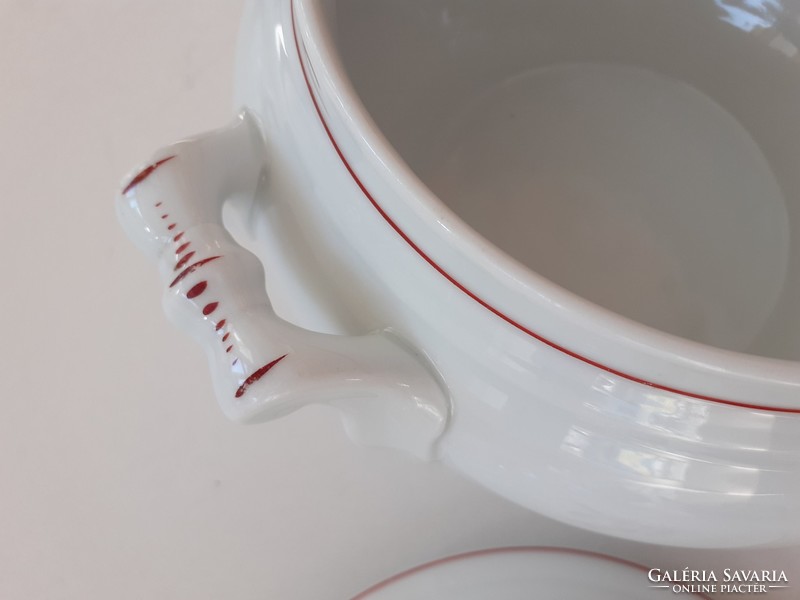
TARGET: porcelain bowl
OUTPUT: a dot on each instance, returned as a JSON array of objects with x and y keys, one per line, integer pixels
[
  {"x": 570, "y": 225},
  {"x": 514, "y": 573}
]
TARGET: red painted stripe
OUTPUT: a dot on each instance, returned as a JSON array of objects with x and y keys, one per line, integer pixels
[
  {"x": 183, "y": 247},
  {"x": 512, "y": 550},
  {"x": 178, "y": 237},
  {"x": 478, "y": 299},
  {"x": 182, "y": 262},
  {"x": 221, "y": 324},
  {"x": 164, "y": 216},
  {"x": 257, "y": 375},
  {"x": 226, "y": 336},
  {"x": 229, "y": 348},
  {"x": 191, "y": 268},
  {"x": 172, "y": 226},
  {"x": 159, "y": 204},
  {"x": 145, "y": 173},
  {"x": 210, "y": 308},
  {"x": 197, "y": 290}
]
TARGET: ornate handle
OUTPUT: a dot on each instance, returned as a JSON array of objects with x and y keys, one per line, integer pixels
[{"x": 262, "y": 366}]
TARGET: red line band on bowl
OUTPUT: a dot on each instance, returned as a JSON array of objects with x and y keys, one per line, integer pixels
[{"x": 478, "y": 299}]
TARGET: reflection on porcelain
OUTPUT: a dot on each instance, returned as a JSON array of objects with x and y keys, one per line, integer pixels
[
  {"x": 750, "y": 14},
  {"x": 607, "y": 333},
  {"x": 513, "y": 573}
]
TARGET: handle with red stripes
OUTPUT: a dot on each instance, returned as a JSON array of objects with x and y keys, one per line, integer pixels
[{"x": 262, "y": 366}]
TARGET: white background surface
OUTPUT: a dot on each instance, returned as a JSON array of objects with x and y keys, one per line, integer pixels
[{"x": 119, "y": 477}]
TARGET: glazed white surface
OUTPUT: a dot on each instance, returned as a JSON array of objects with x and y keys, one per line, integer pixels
[
  {"x": 517, "y": 574},
  {"x": 120, "y": 476},
  {"x": 500, "y": 280},
  {"x": 534, "y": 422}
]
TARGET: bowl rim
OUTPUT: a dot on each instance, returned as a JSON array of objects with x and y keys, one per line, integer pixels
[
  {"x": 644, "y": 355},
  {"x": 508, "y": 551}
]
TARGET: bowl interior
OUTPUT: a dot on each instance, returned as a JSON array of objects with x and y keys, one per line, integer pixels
[{"x": 641, "y": 155}]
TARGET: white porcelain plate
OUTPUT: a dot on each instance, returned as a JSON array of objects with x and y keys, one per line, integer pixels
[{"x": 522, "y": 574}]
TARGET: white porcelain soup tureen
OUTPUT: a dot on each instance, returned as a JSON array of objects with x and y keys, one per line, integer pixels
[{"x": 571, "y": 226}]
